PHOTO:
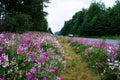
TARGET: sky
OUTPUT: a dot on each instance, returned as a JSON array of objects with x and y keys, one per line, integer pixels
[{"x": 59, "y": 12}]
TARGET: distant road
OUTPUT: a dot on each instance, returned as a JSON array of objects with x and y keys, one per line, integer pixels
[{"x": 107, "y": 40}]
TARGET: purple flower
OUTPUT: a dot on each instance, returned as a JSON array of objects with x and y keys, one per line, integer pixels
[
  {"x": 45, "y": 78},
  {"x": 1, "y": 48},
  {"x": 43, "y": 73},
  {"x": 3, "y": 57},
  {"x": 1, "y": 35},
  {"x": 1, "y": 41},
  {"x": 56, "y": 68},
  {"x": 31, "y": 54},
  {"x": 1, "y": 78},
  {"x": 29, "y": 75},
  {"x": 34, "y": 70},
  {"x": 19, "y": 50},
  {"x": 34, "y": 78},
  {"x": 58, "y": 78},
  {"x": 100, "y": 64},
  {"x": 13, "y": 36},
  {"x": 25, "y": 61},
  {"x": 47, "y": 66},
  {"x": 35, "y": 60},
  {"x": 13, "y": 59},
  {"x": 44, "y": 58},
  {"x": 52, "y": 71}
]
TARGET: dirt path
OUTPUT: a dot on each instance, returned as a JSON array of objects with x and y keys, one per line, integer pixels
[{"x": 76, "y": 67}]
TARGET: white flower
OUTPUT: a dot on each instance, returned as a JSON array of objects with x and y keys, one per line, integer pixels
[
  {"x": 5, "y": 64},
  {"x": 116, "y": 65},
  {"x": 110, "y": 63},
  {"x": 116, "y": 61},
  {"x": 111, "y": 67},
  {"x": 109, "y": 50}
]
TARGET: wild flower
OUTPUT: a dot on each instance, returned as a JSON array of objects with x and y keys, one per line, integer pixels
[
  {"x": 100, "y": 65},
  {"x": 52, "y": 71},
  {"x": 34, "y": 78},
  {"x": 34, "y": 70},
  {"x": 23, "y": 56},
  {"x": 58, "y": 78},
  {"x": 43, "y": 73},
  {"x": 1, "y": 48},
  {"x": 26, "y": 61},
  {"x": 103, "y": 56},
  {"x": 29, "y": 75},
  {"x": 45, "y": 78},
  {"x": 1, "y": 78}
]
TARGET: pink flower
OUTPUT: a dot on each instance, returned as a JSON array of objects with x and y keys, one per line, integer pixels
[
  {"x": 31, "y": 54},
  {"x": 13, "y": 36},
  {"x": 1, "y": 78},
  {"x": 44, "y": 58},
  {"x": 25, "y": 61},
  {"x": 1, "y": 48},
  {"x": 1, "y": 35},
  {"x": 34, "y": 78},
  {"x": 19, "y": 50},
  {"x": 52, "y": 71},
  {"x": 29, "y": 75},
  {"x": 43, "y": 73},
  {"x": 1, "y": 41},
  {"x": 58, "y": 78},
  {"x": 45, "y": 78},
  {"x": 13, "y": 59},
  {"x": 34, "y": 70},
  {"x": 47, "y": 66},
  {"x": 35, "y": 60},
  {"x": 56, "y": 68},
  {"x": 3, "y": 57},
  {"x": 100, "y": 64}
]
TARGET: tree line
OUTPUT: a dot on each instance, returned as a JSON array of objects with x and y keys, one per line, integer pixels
[
  {"x": 97, "y": 20},
  {"x": 23, "y": 15}
]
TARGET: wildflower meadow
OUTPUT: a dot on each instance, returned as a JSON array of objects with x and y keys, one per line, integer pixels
[
  {"x": 101, "y": 57},
  {"x": 30, "y": 56}
]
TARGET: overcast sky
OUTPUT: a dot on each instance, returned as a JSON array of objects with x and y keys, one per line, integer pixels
[{"x": 60, "y": 11}]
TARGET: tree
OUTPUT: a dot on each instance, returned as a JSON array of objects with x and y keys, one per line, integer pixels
[
  {"x": 78, "y": 22},
  {"x": 114, "y": 18},
  {"x": 87, "y": 29},
  {"x": 94, "y": 21},
  {"x": 50, "y": 31},
  {"x": 67, "y": 27},
  {"x": 32, "y": 8}
]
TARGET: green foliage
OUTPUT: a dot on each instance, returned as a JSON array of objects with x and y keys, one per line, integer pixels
[
  {"x": 32, "y": 15},
  {"x": 78, "y": 48},
  {"x": 50, "y": 31},
  {"x": 94, "y": 21},
  {"x": 18, "y": 23},
  {"x": 74, "y": 24},
  {"x": 91, "y": 14}
]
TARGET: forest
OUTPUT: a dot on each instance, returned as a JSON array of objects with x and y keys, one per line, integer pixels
[
  {"x": 97, "y": 20},
  {"x": 23, "y": 15}
]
